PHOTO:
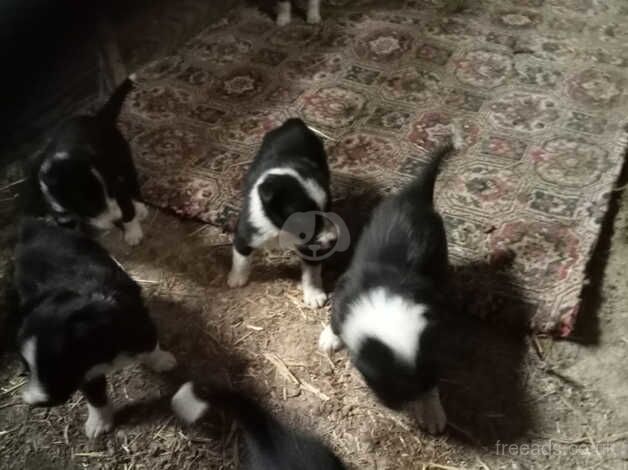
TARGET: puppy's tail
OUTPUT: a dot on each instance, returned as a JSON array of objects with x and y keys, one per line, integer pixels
[
  {"x": 422, "y": 188},
  {"x": 108, "y": 114}
]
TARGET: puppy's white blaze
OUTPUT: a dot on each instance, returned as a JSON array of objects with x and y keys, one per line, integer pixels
[
  {"x": 187, "y": 406},
  {"x": 393, "y": 320},
  {"x": 112, "y": 211},
  {"x": 259, "y": 220},
  {"x": 34, "y": 392}
]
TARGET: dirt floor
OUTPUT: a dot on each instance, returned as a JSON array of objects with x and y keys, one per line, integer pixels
[
  {"x": 567, "y": 401},
  {"x": 513, "y": 401}
]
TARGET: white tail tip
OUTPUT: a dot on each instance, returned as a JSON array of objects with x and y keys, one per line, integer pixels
[{"x": 187, "y": 406}]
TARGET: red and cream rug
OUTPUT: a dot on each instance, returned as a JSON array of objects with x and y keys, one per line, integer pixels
[{"x": 539, "y": 86}]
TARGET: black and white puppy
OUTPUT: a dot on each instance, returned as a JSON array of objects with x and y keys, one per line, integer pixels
[
  {"x": 269, "y": 444},
  {"x": 86, "y": 172},
  {"x": 81, "y": 316},
  {"x": 286, "y": 193},
  {"x": 284, "y": 12},
  {"x": 387, "y": 304}
]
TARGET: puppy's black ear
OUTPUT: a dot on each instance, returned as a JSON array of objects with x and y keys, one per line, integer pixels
[{"x": 268, "y": 190}]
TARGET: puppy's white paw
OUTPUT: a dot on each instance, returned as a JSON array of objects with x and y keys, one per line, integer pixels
[
  {"x": 328, "y": 342},
  {"x": 99, "y": 421},
  {"x": 237, "y": 279},
  {"x": 313, "y": 17},
  {"x": 141, "y": 211},
  {"x": 314, "y": 297},
  {"x": 283, "y": 19},
  {"x": 133, "y": 233},
  {"x": 430, "y": 414},
  {"x": 161, "y": 361}
]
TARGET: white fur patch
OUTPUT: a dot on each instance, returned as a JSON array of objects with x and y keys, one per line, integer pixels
[
  {"x": 393, "y": 320},
  {"x": 313, "y": 294},
  {"x": 328, "y": 342},
  {"x": 265, "y": 228},
  {"x": 240, "y": 269},
  {"x": 429, "y": 412},
  {"x": 33, "y": 392},
  {"x": 133, "y": 231},
  {"x": 141, "y": 211},
  {"x": 99, "y": 420},
  {"x": 187, "y": 406},
  {"x": 112, "y": 210}
]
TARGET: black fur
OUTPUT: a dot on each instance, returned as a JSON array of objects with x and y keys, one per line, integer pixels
[
  {"x": 403, "y": 249},
  {"x": 270, "y": 445},
  {"x": 83, "y": 309},
  {"x": 90, "y": 143}
]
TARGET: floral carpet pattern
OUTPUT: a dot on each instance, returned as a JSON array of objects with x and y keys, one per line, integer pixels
[{"x": 539, "y": 87}]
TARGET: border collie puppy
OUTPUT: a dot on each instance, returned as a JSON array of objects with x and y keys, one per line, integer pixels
[
  {"x": 286, "y": 193},
  {"x": 81, "y": 316},
  {"x": 86, "y": 172},
  {"x": 269, "y": 444},
  {"x": 387, "y": 304},
  {"x": 284, "y": 12}
]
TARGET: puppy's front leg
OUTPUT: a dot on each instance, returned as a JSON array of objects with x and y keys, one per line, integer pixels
[
  {"x": 159, "y": 360},
  {"x": 429, "y": 412},
  {"x": 99, "y": 408},
  {"x": 240, "y": 263},
  {"x": 132, "y": 213},
  {"x": 328, "y": 341},
  {"x": 312, "y": 282}
]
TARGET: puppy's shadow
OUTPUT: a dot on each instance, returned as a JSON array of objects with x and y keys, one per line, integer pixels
[
  {"x": 483, "y": 384},
  {"x": 201, "y": 357}
]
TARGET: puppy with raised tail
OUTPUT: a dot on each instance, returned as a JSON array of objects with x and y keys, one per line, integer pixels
[
  {"x": 80, "y": 317},
  {"x": 269, "y": 444},
  {"x": 285, "y": 197},
  {"x": 387, "y": 305},
  {"x": 86, "y": 175}
]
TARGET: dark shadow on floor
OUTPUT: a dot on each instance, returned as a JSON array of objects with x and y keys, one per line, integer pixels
[
  {"x": 485, "y": 343},
  {"x": 587, "y": 327}
]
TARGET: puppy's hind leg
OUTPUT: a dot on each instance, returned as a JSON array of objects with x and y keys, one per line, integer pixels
[
  {"x": 314, "y": 11},
  {"x": 284, "y": 13},
  {"x": 241, "y": 263},
  {"x": 99, "y": 408},
  {"x": 429, "y": 412},
  {"x": 312, "y": 282}
]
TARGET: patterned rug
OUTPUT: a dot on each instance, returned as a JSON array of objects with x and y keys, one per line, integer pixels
[{"x": 538, "y": 85}]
